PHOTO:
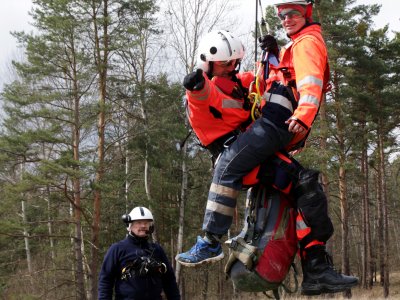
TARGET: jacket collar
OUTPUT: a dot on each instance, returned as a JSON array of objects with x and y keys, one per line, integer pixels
[
  {"x": 137, "y": 240},
  {"x": 306, "y": 29}
]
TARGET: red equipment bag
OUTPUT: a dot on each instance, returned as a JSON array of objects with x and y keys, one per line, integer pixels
[{"x": 262, "y": 254}]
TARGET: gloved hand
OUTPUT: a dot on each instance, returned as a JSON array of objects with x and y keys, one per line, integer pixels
[
  {"x": 269, "y": 44},
  {"x": 194, "y": 81}
]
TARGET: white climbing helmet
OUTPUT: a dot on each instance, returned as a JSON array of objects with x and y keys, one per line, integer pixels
[
  {"x": 218, "y": 45},
  {"x": 139, "y": 213}
]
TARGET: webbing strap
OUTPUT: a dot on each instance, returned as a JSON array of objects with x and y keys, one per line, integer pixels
[
  {"x": 293, "y": 171},
  {"x": 244, "y": 252},
  {"x": 285, "y": 287}
]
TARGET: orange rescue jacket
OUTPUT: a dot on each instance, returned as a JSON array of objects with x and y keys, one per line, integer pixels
[
  {"x": 303, "y": 67},
  {"x": 212, "y": 113}
]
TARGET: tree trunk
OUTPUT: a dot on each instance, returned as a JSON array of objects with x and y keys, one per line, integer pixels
[
  {"x": 384, "y": 215},
  {"x": 380, "y": 235},
  {"x": 343, "y": 191},
  {"x": 366, "y": 228},
  {"x": 146, "y": 154},
  {"x": 323, "y": 145},
  {"x": 182, "y": 201},
  {"x": 146, "y": 175},
  {"x": 344, "y": 208},
  {"x": 367, "y": 243},
  {"x": 76, "y": 183},
  {"x": 50, "y": 231},
  {"x": 101, "y": 57},
  {"x": 79, "y": 276},
  {"x": 127, "y": 168},
  {"x": 26, "y": 233},
  {"x": 26, "y": 240}
]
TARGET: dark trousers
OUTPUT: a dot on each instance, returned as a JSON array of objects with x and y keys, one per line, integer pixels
[{"x": 250, "y": 149}]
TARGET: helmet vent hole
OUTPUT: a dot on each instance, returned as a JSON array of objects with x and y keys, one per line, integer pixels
[{"x": 213, "y": 50}]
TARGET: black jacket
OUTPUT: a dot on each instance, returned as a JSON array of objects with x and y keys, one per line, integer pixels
[{"x": 137, "y": 286}]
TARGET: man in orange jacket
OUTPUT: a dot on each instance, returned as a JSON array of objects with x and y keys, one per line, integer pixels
[
  {"x": 217, "y": 104},
  {"x": 294, "y": 93}
]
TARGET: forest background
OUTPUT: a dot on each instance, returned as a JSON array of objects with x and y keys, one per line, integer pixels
[{"x": 93, "y": 124}]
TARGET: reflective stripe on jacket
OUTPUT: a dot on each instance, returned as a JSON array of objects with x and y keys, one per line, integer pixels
[{"x": 212, "y": 113}]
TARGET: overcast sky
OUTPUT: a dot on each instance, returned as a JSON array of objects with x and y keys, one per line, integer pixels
[
  {"x": 389, "y": 13},
  {"x": 14, "y": 17}
]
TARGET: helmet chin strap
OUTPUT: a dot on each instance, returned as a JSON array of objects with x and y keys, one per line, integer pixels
[
  {"x": 210, "y": 69},
  {"x": 237, "y": 68},
  {"x": 233, "y": 73}
]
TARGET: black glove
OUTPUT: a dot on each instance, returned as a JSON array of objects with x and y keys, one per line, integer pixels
[
  {"x": 268, "y": 43},
  {"x": 194, "y": 81}
]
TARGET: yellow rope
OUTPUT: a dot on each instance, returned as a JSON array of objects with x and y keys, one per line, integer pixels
[{"x": 255, "y": 97}]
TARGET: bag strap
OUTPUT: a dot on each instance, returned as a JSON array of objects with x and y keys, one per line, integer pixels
[
  {"x": 292, "y": 170},
  {"x": 251, "y": 219},
  {"x": 275, "y": 292},
  {"x": 264, "y": 217},
  {"x": 255, "y": 202}
]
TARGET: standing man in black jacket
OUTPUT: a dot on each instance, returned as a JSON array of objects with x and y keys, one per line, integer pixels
[{"x": 135, "y": 268}]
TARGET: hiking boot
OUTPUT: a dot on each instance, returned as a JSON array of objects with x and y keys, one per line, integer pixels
[
  {"x": 201, "y": 253},
  {"x": 319, "y": 275}
]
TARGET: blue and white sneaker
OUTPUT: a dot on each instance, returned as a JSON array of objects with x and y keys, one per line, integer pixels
[{"x": 201, "y": 253}]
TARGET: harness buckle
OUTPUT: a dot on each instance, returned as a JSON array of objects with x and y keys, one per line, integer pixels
[{"x": 233, "y": 245}]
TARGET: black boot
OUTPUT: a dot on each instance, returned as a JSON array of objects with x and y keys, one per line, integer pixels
[{"x": 319, "y": 276}]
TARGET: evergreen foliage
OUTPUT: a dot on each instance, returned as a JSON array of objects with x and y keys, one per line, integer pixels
[{"x": 84, "y": 50}]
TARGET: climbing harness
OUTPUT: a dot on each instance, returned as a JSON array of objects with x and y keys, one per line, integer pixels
[{"x": 143, "y": 266}]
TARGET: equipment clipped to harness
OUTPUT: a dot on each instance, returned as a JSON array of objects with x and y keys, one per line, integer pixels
[
  {"x": 255, "y": 99},
  {"x": 143, "y": 266},
  {"x": 258, "y": 86},
  {"x": 254, "y": 90}
]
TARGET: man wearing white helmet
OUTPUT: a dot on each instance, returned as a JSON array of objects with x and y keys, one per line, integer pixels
[
  {"x": 216, "y": 93},
  {"x": 135, "y": 268},
  {"x": 295, "y": 89}
]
